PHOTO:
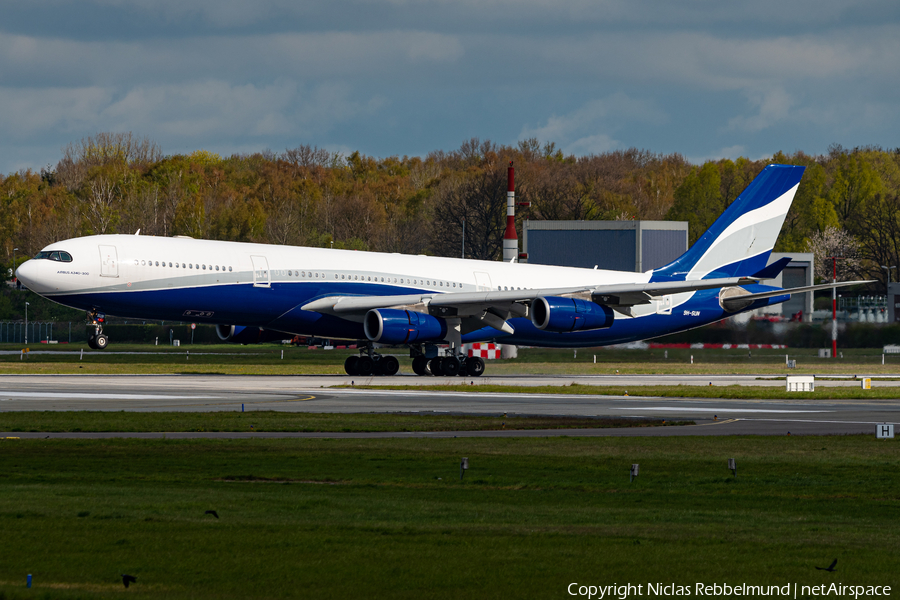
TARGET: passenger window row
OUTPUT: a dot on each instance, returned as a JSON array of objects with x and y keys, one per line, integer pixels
[
  {"x": 404, "y": 280},
  {"x": 157, "y": 263},
  {"x": 308, "y": 274},
  {"x": 372, "y": 278}
]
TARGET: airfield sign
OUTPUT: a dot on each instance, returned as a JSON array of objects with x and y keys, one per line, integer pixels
[{"x": 884, "y": 431}]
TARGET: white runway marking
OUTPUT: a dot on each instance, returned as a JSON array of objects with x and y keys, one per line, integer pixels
[
  {"x": 5, "y": 396},
  {"x": 721, "y": 410},
  {"x": 469, "y": 393}
]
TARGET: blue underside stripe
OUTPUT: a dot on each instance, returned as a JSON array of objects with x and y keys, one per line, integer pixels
[{"x": 277, "y": 308}]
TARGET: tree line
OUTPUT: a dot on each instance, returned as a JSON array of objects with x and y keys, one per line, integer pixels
[{"x": 848, "y": 202}]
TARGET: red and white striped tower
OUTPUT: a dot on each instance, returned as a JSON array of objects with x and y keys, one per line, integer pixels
[
  {"x": 834, "y": 309},
  {"x": 510, "y": 240}
]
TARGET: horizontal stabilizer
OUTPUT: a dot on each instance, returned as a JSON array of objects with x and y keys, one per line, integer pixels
[
  {"x": 738, "y": 302},
  {"x": 773, "y": 270}
]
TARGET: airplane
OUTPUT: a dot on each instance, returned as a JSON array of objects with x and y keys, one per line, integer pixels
[{"x": 259, "y": 292}]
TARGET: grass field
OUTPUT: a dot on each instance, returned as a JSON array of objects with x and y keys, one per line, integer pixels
[
  {"x": 391, "y": 518},
  {"x": 266, "y": 359},
  {"x": 258, "y": 421}
]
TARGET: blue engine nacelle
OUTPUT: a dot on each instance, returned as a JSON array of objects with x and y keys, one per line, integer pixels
[
  {"x": 238, "y": 334},
  {"x": 394, "y": 326},
  {"x": 555, "y": 313}
]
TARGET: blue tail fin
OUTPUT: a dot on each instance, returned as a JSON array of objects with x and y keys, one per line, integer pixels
[{"x": 741, "y": 239}]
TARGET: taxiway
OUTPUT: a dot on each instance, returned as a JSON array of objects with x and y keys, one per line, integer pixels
[{"x": 319, "y": 394}]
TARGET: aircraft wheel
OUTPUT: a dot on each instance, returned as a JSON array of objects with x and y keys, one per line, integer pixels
[
  {"x": 450, "y": 366},
  {"x": 101, "y": 342},
  {"x": 364, "y": 366},
  {"x": 475, "y": 366},
  {"x": 351, "y": 365},
  {"x": 390, "y": 365},
  {"x": 92, "y": 342},
  {"x": 463, "y": 369},
  {"x": 420, "y": 365},
  {"x": 434, "y": 365}
]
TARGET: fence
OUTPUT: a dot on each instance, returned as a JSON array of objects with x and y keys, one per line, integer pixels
[
  {"x": 13, "y": 332},
  {"x": 16, "y": 332}
]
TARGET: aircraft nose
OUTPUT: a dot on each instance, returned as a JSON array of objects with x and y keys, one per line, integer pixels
[{"x": 29, "y": 273}]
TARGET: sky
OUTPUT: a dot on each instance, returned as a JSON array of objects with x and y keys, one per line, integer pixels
[{"x": 707, "y": 79}]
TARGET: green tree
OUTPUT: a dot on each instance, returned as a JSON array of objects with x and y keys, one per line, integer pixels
[
  {"x": 698, "y": 200},
  {"x": 811, "y": 211},
  {"x": 855, "y": 182}
]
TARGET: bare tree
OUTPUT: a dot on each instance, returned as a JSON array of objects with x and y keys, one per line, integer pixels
[
  {"x": 479, "y": 200},
  {"x": 99, "y": 204},
  {"x": 880, "y": 238},
  {"x": 102, "y": 149}
]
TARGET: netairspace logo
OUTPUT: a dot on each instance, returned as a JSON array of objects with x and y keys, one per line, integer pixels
[{"x": 790, "y": 590}]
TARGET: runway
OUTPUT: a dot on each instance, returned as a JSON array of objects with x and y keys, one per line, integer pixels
[{"x": 316, "y": 394}]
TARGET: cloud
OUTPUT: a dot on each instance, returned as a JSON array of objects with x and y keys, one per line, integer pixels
[
  {"x": 200, "y": 110},
  {"x": 26, "y": 60},
  {"x": 773, "y": 107},
  {"x": 29, "y": 112},
  {"x": 587, "y": 129},
  {"x": 731, "y": 152},
  {"x": 385, "y": 75},
  {"x": 461, "y": 16}
]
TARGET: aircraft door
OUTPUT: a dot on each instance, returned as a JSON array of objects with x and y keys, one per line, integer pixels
[
  {"x": 109, "y": 262},
  {"x": 482, "y": 281},
  {"x": 260, "y": 271}
]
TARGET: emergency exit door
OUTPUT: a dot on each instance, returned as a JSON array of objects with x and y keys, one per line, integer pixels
[
  {"x": 260, "y": 271},
  {"x": 109, "y": 262}
]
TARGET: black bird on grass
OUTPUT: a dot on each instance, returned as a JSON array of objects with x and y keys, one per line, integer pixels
[
  {"x": 128, "y": 579},
  {"x": 830, "y": 567},
  {"x": 212, "y": 512}
]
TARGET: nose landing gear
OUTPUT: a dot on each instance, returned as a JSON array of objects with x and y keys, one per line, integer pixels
[{"x": 97, "y": 341}]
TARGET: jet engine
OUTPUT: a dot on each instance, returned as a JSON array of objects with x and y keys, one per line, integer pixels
[
  {"x": 555, "y": 313},
  {"x": 238, "y": 334},
  {"x": 394, "y": 326}
]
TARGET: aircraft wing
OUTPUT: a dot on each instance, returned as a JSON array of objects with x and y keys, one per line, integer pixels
[{"x": 494, "y": 307}]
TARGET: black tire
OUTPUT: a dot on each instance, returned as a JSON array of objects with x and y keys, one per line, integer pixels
[
  {"x": 101, "y": 342},
  {"x": 450, "y": 366},
  {"x": 475, "y": 366},
  {"x": 390, "y": 365},
  {"x": 351, "y": 365},
  {"x": 378, "y": 366},
  {"x": 420, "y": 365},
  {"x": 463, "y": 371},
  {"x": 92, "y": 342},
  {"x": 434, "y": 365},
  {"x": 364, "y": 366}
]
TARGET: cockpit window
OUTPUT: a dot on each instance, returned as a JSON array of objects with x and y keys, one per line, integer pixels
[{"x": 57, "y": 255}]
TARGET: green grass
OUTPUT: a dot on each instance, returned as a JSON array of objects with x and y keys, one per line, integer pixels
[
  {"x": 391, "y": 519},
  {"x": 266, "y": 359},
  {"x": 63, "y": 421}
]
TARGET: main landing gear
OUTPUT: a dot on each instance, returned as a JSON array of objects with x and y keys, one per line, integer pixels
[
  {"x": 97, "y": 341},
  {"x": 371, "y": 363},
  {"x": 466, "y": 366}
]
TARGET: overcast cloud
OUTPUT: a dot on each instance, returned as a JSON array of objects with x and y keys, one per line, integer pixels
[{"x": 705, "y": 78}]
